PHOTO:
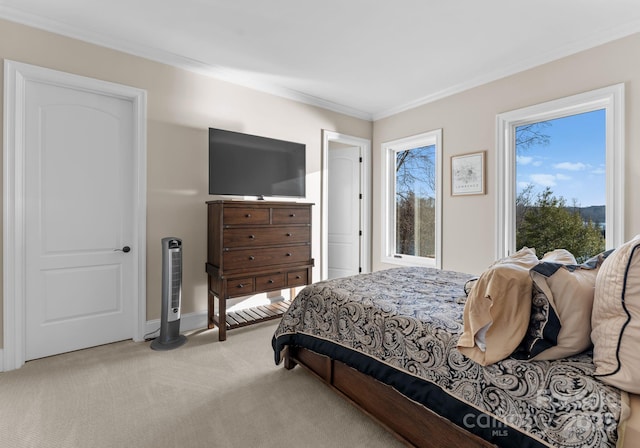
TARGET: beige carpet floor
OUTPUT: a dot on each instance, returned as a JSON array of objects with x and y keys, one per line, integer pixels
[{"x": 204, "y": 394}]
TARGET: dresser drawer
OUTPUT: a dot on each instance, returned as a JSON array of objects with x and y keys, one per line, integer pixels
[
  {"x": 240, "y": 286},
  {"x": 245, "y": 215},
  {"x": 272, "y": 281},
  {"x": 254, "y": 258},
  {"x": 266, "y": 236},
  {"x": 291, "y": 216},
  {"x": 297, "y": 278}
]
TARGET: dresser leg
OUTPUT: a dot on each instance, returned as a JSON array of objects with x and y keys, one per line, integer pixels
[
  {"x": 222, "y": 319},
  {"x": 211, "y": 311}
]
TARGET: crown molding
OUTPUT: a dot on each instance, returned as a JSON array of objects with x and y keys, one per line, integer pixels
[
  {"x": 246, "y": 80},
  {"x": 218, "y": 72},
  {"x": 557, "y": 53}
]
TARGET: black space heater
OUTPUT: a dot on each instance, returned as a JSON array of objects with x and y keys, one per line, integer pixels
[{"x": 170, "y": 336}]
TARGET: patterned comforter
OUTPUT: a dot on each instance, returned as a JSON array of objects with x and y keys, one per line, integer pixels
[{"x": 402, "y": 325}]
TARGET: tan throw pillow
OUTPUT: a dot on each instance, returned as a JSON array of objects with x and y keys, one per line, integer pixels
[
  {"x": 616, "y": 318},
  {"x": 496, "y": 313},
  {"x": 569, "y": 290},
  {"x": 574, "y": 293}
]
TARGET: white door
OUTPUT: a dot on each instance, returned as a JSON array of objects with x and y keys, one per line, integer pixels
[
  {"x": 79, "y": 154},
  {"x": 343, "y": 211}
]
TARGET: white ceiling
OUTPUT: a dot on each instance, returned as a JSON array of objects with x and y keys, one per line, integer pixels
[{"x": 366, "y": 58}]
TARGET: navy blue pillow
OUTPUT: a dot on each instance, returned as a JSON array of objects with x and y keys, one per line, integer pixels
[{"x": 544, "y": 324}]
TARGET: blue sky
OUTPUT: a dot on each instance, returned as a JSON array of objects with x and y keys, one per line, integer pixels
[{"x": 572, "y": 164}]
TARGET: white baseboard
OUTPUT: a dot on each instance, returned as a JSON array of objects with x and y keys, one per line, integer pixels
[{"x": 188, "y": 322}]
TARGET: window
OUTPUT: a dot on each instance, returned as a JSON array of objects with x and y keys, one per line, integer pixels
[
  {"x": 412, "y": 168},
  {"x": 554, "y": 160},
  {"x": 560, "y": 184}
]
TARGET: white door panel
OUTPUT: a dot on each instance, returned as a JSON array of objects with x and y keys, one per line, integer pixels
[
  {"x": 341, "y": 255},
  {"x": 68, "y": 293},
  {"x": 344, "y": 212},
  {"x": 78, "y": 168},
  {"x": 79, "y": 189}
]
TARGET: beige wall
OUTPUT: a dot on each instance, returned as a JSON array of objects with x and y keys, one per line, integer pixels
[
  {"x": 182, "y": 105},
  {"x": 468, "y": 121},
  {"x": 181, "y": 108}
]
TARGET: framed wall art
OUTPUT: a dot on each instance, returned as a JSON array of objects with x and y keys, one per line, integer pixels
[{"x": 468, "y": 174}]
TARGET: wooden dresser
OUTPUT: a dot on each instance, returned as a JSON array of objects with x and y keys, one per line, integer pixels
[{"x": 254, "y": 247}]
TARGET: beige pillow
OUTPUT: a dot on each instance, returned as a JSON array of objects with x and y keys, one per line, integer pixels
[
  {"x": 616, "y": 318},
  {"x": 569, "y": 290},
  {"x": 562, "y": 256},
  {"x": 496, "y": 313}
]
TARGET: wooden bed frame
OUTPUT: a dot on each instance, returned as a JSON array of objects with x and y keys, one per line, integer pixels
[{"x": 409, "y": 421}]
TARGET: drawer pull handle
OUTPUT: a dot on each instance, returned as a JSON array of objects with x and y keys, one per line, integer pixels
[
  {"x": 298, "y": 277},
  {"x": 270, "y": 281},
  {"x": 288, "y": 254},
  {"x": 292, "y": 215},
  {"x": 248, "y": 215},
  {"x": 240, "y": 285},
  {"x": 252, "y": 237},
  {"x": 288, "y": 234},
  {"x": 252, "y": 257}
]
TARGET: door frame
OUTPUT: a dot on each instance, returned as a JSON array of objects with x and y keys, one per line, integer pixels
[
  {"x": 16, "y": 75},
  {"x": 365, "y": 202}
]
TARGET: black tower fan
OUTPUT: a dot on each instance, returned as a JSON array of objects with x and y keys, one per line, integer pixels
[{"x": 170, "y": 336}]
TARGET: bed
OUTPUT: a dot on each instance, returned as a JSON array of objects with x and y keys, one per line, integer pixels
[{"x": 387, "y": 341}]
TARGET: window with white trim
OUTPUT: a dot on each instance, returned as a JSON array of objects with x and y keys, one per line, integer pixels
[
  {"x": 561, "y": 164},
  {"x": 412, "y": 200}
]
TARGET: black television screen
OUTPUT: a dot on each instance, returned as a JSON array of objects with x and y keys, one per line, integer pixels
[{"x": 249, "y": 165}]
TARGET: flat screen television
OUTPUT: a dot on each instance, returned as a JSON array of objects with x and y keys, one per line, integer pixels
[{"x": 249, "y": 165}]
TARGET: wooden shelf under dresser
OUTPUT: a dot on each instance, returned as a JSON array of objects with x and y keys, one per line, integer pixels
[{"x": 255, "y": 247}]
